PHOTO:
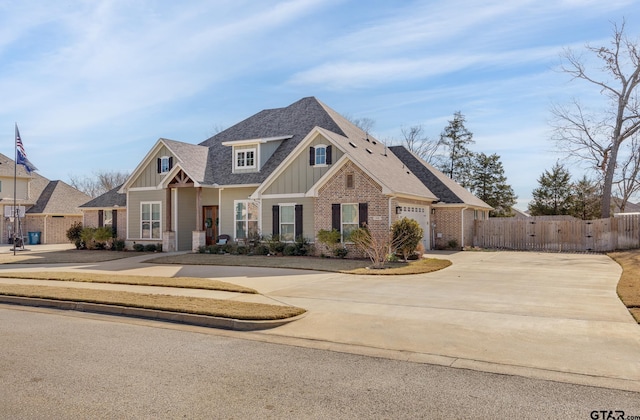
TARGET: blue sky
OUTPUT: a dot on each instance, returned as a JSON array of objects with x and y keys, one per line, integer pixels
[{"x": 93, "y": 84}]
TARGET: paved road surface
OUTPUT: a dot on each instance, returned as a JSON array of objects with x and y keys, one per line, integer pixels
[{"x": 73, "y": 365}]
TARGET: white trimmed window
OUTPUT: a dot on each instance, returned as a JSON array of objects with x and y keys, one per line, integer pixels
[
  {"x": 150, "y": 220},
  {"x": 287, "y": 222},
  {"x": 246, "y": 216},
  {"x": 321, "y": 155},
  {"x": 165, "y": 164},
  {"x": 348, "y": 220},
  {"x": 245, "y": 158}
]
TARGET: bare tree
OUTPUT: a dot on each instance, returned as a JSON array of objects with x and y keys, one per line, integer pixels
[
  {"x": 365, "y": 124},
  {"x": 597, "y": 137},
  {"x": 98, "y": 184},
  {"x": 416, "y": 141}
]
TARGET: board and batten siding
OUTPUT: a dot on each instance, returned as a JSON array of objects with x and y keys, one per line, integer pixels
[
  {"x": 307, "y": 214},
  {"x": 185, "y": 217},
  {"x": 149, "y": 177},
  {"x": 299, "y": 176},
  {"x": 133, "y": 210}
]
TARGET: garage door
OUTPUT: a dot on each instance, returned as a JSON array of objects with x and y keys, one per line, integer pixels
[{"x": 421, "y": 215}]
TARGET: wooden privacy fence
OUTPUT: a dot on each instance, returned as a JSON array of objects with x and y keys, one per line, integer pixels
[{"x": 562, "y": 234}]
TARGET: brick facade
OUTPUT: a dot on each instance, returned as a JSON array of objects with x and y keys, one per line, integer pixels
[
  {"x": 364, "y": 190},
  {"x": 449, "y": 227}
]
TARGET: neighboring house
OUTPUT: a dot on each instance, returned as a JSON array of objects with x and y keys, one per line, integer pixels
[
  {"x": 51, "y": 206},
  {"x": 290, "y": 172},
  {"x": 109, "y": 209},
  {"x": 519, "y": 214}
]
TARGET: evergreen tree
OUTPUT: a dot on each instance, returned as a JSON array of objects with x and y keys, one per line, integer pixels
[
  {"x": 554, "y": 196},
  {"x": 489, "y": 184},
  {"x": 586, "y": 200},
  {"x": 455, "y": 139}
]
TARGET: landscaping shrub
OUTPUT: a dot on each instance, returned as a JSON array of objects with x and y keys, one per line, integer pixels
[
  {"x": 118, "y": 245},
  {"x": 138, "y": 247},
  {"x": 340, "y": 252},
  {"x": 289, "y": 250},
  {"x": 74, "y": 234},
  {"x": 150, "y": 248},
  {"x": 407, "y": 234},
  {"x": 242, "y": 250},
  {"x": 261, "y": 250},
  {"x": 302, "y": 246},
  {"x": 331, "y": 239},
  {"x": 276, "y": 246},
  {"x": 452, "y": 244}
]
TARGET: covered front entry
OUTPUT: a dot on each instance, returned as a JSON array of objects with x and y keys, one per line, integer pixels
[
  {"x": 210, "y": 222},
  {"x": 421, "y": 215}
]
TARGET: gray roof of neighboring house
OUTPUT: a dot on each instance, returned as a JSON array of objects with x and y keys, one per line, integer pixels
[
  {"x": 107, "y": 200},
  {"x": 447, "y": 190},
  {"x": 295, "y": 120},
  {"x": 59, "y": 198}
]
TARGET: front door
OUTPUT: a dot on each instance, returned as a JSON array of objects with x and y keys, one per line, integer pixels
[{"x": 210, "y": 223}]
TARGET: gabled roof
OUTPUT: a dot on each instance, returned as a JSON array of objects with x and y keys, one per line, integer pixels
[
  {"x": 447, "y": 190},
  {"x": 59, "y": 198},
  {"x": 111, "y": 198},
  {"x": 295, "y": 120}
]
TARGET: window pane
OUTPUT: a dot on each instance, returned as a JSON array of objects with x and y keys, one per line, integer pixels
[
  {"x": 155, "y": 211},
  {"x": 253, "y": 227},
  {"x": 286, "y": 214},
  {"x": 241, "y": 229},
  {"x": 155, "y": 230},
  {"x": 240, "y": 159},
  {"x": 252, "y": 209},
  {"x": 108, "y": 218},
  {"x": 321, "y": 155},
  {"x": 350, "y": 213},
  {"x": 249, "y": 161},
  {"x": 146, "y": 212},
  {"x": 286, "y": 232},
  {"x": 240, "y": 211},
  {"x": 146, "y": 229},
  {"x": 347, "y": 229}
]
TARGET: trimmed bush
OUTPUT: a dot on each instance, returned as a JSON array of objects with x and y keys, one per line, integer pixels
[
  {"x": 74, "y": 234},
  {"x": 407, "y": 235},
  {"x": 138, "y": 247}
]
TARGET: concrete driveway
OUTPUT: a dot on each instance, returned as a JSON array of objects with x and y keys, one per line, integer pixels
[
  {"x": 542, "y": 315},
  {"x": 550, "y": 316}
]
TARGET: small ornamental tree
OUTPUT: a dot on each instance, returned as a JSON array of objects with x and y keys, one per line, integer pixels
[
  {"x": 375, "y": 245},
  {"x": 407, "y": 234},
  {"x": 74, "y": 234}
]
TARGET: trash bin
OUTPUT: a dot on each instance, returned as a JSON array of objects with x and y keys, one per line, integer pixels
[{"x": 34, "y": 238}]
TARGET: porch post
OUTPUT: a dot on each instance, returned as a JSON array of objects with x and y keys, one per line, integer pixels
[
  {"x": 198, "y": 236},
  {"x": 168, "y": 236}
]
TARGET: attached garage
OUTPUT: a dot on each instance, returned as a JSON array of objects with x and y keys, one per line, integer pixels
[{"x": 421, "y": 215}]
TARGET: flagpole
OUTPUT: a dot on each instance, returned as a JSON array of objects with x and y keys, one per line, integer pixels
[{"x": 15, "y": 183}]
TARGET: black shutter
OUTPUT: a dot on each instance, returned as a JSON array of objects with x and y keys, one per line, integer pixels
[
  {"x": 114, "y": 223},
  {"x": 363, "y": 214},
  {"x": 170, "y": 162},
  {"x": 159, "y": 165},
  {"x": 312, "y": 156},
  {"x": 275, "y": 211},
  {"x": 329, "y": 162},
  {"x": 100, "y": 218},
  {"x": 335, "y": 217},
  {"x": 297, "y": 228}
]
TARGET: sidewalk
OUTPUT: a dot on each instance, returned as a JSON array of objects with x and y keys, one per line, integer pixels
[{"x": 548, "y": 316}]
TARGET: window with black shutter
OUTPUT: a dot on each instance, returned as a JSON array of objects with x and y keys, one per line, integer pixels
[{"x": 298, "y": 221}]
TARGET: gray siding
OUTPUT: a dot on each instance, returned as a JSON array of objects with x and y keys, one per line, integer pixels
[
  {"x": 299, "y": 176},
  {"x": 149, "y": 177},
  {"x": 307, "y": 214},
  {"x": 185, "y": 217},
  {"x": 256, "y": 157},
  {"x": 133, "y": 210}
]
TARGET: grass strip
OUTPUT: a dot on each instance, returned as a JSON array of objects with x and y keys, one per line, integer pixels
[
  {"x": 425, "y": 265},
  {"x": 337, "y": 265},
  {"x": 86, "y": 277},
  {"x": 629, "y": 285},
  {"x": 181, "y": 304}
]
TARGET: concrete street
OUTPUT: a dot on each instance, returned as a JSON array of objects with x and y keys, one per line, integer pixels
[
  {"x": 540, "y": 315},
  {"x": 66, "y": 365}
]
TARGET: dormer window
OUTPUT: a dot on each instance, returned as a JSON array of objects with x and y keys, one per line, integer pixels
[
  {"x": 320, "y": 155},
  {"x": 165, "y": 163},
  {"x": 245, "y": 158}
]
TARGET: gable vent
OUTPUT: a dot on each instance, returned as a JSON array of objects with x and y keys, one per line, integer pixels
[{"x": 352, "y": 145}]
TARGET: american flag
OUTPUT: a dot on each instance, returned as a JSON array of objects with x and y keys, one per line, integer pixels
[{"x": 21, "y": 155}]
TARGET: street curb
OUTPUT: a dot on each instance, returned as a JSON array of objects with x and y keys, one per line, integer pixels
[{"x": 154, "y": 314}]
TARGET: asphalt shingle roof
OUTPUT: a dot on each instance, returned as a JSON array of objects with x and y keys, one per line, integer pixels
[
  {"x": 59, "y": 198},
  {"x": 109, "y": 199}
]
